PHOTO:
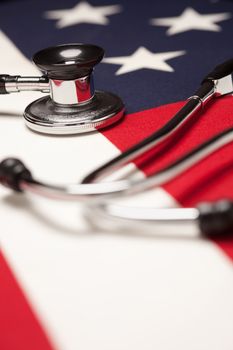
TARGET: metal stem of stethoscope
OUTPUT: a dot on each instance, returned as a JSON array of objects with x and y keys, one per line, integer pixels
[{"x": 217, "y": 83}]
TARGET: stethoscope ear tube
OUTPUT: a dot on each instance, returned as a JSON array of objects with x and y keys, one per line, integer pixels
[{"x": 14, "y": 174}]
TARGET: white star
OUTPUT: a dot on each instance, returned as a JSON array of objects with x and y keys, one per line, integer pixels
[
  {"x": 83, "y": 12},
  {"x": 143, "y": 58},
  {"x": 191, "y": 19}
]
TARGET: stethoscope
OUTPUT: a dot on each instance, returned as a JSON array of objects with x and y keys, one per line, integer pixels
[
  {"x": 97, "y": 191},
  {"x": 73, "y": 105}
]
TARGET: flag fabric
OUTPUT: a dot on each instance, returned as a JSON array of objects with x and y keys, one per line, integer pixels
[{"x": 64, "y": 284}]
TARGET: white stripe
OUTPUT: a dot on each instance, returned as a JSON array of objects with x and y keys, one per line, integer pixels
[{"x": 96, "y": 290}]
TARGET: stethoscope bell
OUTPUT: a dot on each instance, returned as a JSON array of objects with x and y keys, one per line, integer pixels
[{"x": 73, "y": 105}]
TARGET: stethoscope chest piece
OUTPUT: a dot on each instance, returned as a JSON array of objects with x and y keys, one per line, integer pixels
[
  {"x": 45, "y": 116},
  {"x": 73, "y": 105}
]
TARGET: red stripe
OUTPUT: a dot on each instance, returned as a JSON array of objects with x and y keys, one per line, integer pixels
[
  {"x": 19, "y": 327},
  {"x": 211, "y": 179}
]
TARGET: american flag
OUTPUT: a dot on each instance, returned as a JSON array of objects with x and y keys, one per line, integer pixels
[{"x": 64, "y": 285}]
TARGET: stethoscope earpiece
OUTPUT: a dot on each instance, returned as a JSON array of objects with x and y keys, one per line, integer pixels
[{"x": 73, "y": 105}]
